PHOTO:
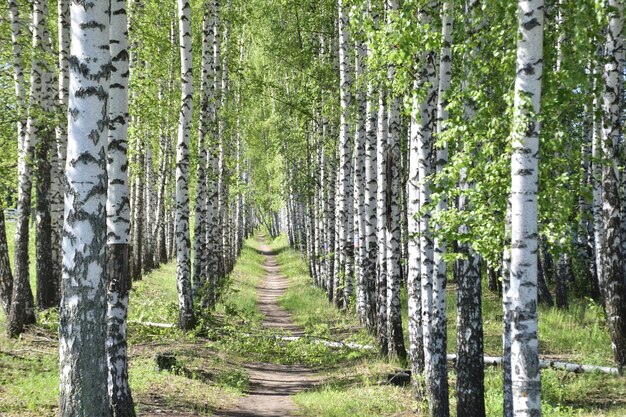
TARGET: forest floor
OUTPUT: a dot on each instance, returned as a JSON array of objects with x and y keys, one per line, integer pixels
[{"x": 244, "y": 353}]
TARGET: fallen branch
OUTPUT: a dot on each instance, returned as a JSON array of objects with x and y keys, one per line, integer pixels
[
  {"x": 153, "y": 324},
  {"x": 545, "y": 364},
  {"x": 318, "y": 340}
]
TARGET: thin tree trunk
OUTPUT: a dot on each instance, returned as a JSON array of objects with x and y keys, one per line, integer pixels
[
  {"x": 369, "y": 267},
  {"x": 138, "y": 206},
  {"x": 344, "y": 201},
  {"x": 395, "y": 337},
  {"x": 22, "y": 304},
  {"x": 414, "y": 292},
  {"x": 63, "y": 15},
  {"x": 434, "y": 333},
  {"x": 200, "y": 223},
  {"x": 359, "y": 184},
  {"x": 213, "y": 223},
  {"x": 470, "y": 382},
  {"x": 186, "y": 319},
  {"x": 118, "y": 218},
  {"x": 507, "y": 395},
  {"x": 47, "y": 288},
  {"x": 381, "y": 223},
  {"x": 6, "y": 276}
]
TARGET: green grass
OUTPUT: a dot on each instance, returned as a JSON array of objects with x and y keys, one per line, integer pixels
[
  {"x": 240, "y": 292},
  {"x": 578, "y": 334},
  {"x": 308, "y": 304}
]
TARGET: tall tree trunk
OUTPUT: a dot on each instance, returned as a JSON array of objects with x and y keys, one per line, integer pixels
[
  {"x": 344, "y": 201},
  {"x": 395, "y": 337},
  {"x": 369, "y": 267},
  {"x": 381, "y": 223},
  {"x": 414, "y": 292},
  {"x": 200, "y": 223},
  {"x": 434, "y": 324},
  {"x": 612, "y": 256},
  {"x": 359, "y": 184},
  {"x": 22, "y": 310},
  {"x": 118, "y": 218},
  {"x": 47, "y": 288},
  {"x": 82, "y": 327},
  {"x": 148, "y": 211},
  {"x": 63, "y": 15},
  {"x": 331, "y": 225},
  {"x": 138, "y": 211},
  {"x": 6, "y": 276},
  {"x": 186, "y": 318},
  {"x": 470, "y": 382},
  {"x": 213, "y": 223},
  {"x": 525, "y": 376},
  {"x": 507, "y": 394}
]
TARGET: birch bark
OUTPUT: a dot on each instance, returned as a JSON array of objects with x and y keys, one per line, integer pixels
[
  {"x": 82, "y": 326},
  {"x": 525, "y": 378},
  {"x": 183, "y": 260}
]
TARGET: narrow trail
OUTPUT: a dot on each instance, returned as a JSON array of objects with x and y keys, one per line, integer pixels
[{"x": 271, "y": 385}]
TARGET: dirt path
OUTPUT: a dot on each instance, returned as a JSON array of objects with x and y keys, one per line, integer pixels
[{"x": 270, "y": 384}]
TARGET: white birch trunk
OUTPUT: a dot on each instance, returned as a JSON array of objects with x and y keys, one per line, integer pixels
[
  {"x": 611, "y": 255},
  {"x": 369, "y": 268},
  {"x": 525, "y": 378},
  {"x": 56, "y": 208},
  {"x": 434, "y": 355},
  {"x": 201, "y": 203},
  {"x": 381, "y": 222},
  {"x": 22, "y": 303},
  {"x": 359, "y": 185},
  {"x": 82, "y": 327},
  {"x": 346, "y": 244},
  {"x": 118, "y": 217},
  {"x": 395, "y": 337},
  {"x": 414, "y": 292},
  {"x": 183, "y": 261},
  {"x": 213, "y": 223}
]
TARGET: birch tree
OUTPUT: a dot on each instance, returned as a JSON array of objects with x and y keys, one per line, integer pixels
[
  {"x": 525, "y": 378},
  {"x": 183, "y": 247},
  {"x": 201, "y": 204},
  {"x": 392, "y": 196},
  {"x": 22, "y": 303},
  {"x": 118, "y": 217},
  {"x": 433, "y": 316},
  {"x": 369, "y": 267},
  {"x": 381, "y": 223},
  {"x": 82, "y": 328},
  {"x": 343, "y": 203},
  {"x": 612, "y": 256},
  {"x": 470, "y": 363}
]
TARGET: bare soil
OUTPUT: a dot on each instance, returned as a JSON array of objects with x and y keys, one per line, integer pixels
[{"x": 271, "y": 385}]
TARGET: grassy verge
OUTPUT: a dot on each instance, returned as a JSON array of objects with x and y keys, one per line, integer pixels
[{"x": 206, "y": 375}]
